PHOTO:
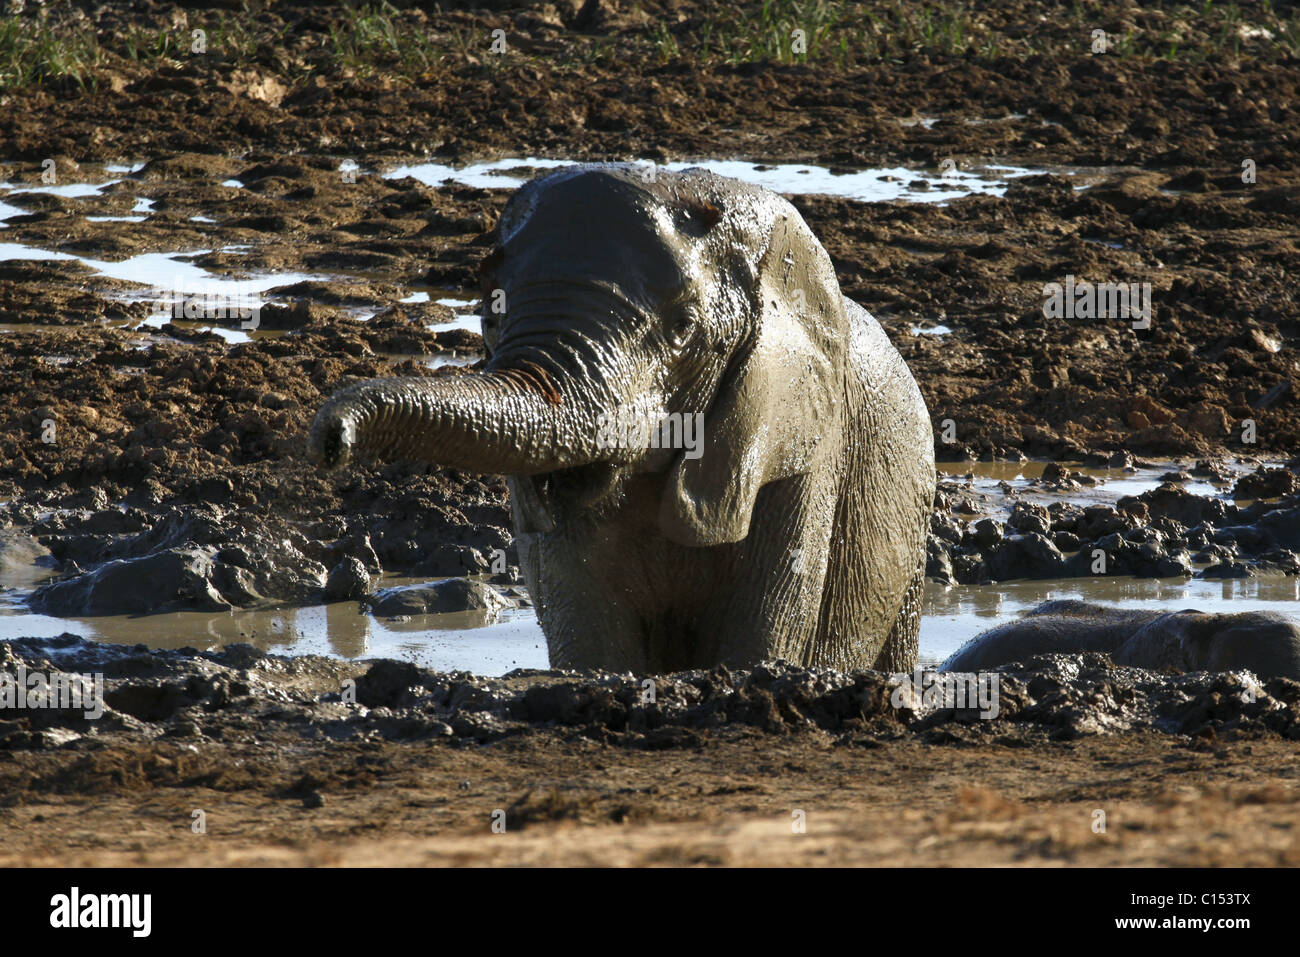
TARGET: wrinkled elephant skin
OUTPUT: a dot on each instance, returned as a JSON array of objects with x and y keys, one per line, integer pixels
[
  {"x": 791, "y": 524},
  {"x": 1263, "y": 642}
]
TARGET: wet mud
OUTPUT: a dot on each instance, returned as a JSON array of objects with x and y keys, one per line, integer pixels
[
  {"x": 314, "y": 760},
  {"x": 1054, "y": 526}
]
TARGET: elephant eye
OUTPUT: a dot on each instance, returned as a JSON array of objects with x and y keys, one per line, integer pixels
[{"x": 680, "y": 322}]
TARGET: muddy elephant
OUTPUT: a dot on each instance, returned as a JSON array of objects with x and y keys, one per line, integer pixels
[
  {"x": 713, "y": 456},
  {"x": 1262, "y": 642}
]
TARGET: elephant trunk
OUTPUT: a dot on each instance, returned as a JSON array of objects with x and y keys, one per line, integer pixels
[{"x": 505, "y": 422}]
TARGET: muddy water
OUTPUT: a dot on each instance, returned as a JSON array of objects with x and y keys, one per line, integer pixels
[
  {"x": 466, "y": 641},
  {"x": 870, "y": 186},
  {"x": 514, "y": 638},
  {"x": 1002, "y": 484},
  {"x": 955, "y": 614}
]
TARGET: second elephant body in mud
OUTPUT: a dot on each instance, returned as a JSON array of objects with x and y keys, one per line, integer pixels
[
  {"x": 1265, "y": 643},
  {"x": 796, "y": 528}
]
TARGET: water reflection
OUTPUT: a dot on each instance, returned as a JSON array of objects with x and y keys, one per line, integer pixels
[{"x": 465, "y": 641}]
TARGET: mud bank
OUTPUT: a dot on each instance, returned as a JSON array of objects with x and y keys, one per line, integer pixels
[
  {"x": 581, "y": 770},
  {"x": 240, "y": 693}
]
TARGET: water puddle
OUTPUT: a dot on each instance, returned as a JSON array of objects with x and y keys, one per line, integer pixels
[
  {"x": 170, "y": 271},
  {"x": 455, "y": 642},
  {"x": 1005, "y": 483},
  {"x": 467, "y": 310},
  {"x": 449, "y": 359},
  {"x": 869, "y": 186},
  {"x": 174, "y": 278},
  {"x": 232, "y": 336},
  {"x": 81, "y": 190},
  {"x": 142, "y": 206},
  {"x": 435, "y": 360},
  {"x": 470, "y": 322},
  {"x": 951, "y": 617},
  {"x": 66, "y": 190}
]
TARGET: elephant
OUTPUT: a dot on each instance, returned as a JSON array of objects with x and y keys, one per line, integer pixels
[
  {"x": 1263, "y": 642},
  {"x": 771, "y": 497}
]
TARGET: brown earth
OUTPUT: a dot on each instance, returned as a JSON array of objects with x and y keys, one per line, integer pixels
[
  {"x": 729, "y": 801},
  {"x": 776, "y": 766},
  {"x": 1218, "y": 252}
]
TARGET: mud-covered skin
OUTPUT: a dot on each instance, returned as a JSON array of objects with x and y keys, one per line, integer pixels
[
  {"x": 798, "y": 529},
  {"x": 1265, "y": 643}
]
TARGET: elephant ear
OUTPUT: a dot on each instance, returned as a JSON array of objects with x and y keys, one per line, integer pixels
[{"x": 779, "y": 402}]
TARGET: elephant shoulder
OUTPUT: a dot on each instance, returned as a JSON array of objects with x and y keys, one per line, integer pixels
[
  {"x": 890, "y": 398},
  {"x": 871, "y": 353},
  {"x": 862, "y": 324}
]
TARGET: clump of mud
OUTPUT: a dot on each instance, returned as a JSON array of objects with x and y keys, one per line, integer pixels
[
  {"x": 242, "y": 695},
  {"x": 1165, "y": 532}
]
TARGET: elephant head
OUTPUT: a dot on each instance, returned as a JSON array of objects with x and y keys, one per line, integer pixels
[{"x": 617, "y": 291}]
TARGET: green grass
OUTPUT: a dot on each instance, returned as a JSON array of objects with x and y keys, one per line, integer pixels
[
  {"x": 368, "y": 38},
  {"x": 844, "y": 34},
  {"x": 142, "y": 43},
  {"x": 35, "y": 50},
  {"x": 231, "y": 36}
]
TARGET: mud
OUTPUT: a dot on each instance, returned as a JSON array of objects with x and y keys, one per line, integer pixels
[
  {"x": 1244, "y": 528},
  {"x": 283, "y": 752},
  {"x": 154, "y": 693},
  {"x": 174, "y": 445}
]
